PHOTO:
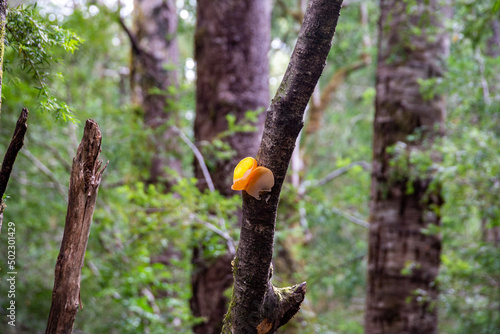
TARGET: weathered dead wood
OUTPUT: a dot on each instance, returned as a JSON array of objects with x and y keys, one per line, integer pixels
[
  {"x": 256, "y": 306},
  {"x": 83, "y": 186},
  {"x": 15, "y": 146}
]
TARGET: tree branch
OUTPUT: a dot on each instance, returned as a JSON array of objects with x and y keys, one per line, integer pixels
[
  {"x": 83, "y": 186},
  {"x": 316, "y": 111},
  {"x": 15, "y": 146},
  {"x": 131, "y": 36},
  {"x": 317, "y": 108},
  {"x": 198, "y": 156},
  {"x": 332, "y": 175},
  {"x": 351, "y": 218},
  {"x": 256, "y": 306},
  {"x": 45, "y": 170}
]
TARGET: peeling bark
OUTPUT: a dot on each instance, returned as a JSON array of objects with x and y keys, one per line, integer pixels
[
  {"x": 404, "y": 262},
  {"x": 83, "y": 186},
  {"x": 256, "y": 306}
]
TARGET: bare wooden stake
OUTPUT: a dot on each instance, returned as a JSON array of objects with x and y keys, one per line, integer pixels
[{"x": 83, "y": 186}]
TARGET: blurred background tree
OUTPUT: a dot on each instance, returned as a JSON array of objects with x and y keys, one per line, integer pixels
[{"x": 321, "y": 230}]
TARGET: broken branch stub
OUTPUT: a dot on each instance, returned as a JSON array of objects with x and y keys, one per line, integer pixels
[{"x": 83, "y": 187}]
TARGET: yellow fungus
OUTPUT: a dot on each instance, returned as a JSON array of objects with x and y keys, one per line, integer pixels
[
  {"x": 242, "y": 173},
  {"x": 247, "y": 176}
]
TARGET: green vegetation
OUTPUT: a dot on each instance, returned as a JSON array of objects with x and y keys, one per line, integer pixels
[{"x": 72, "y": 64}]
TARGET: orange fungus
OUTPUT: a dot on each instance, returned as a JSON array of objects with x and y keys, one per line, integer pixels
[{"x": 247, "y": 176}]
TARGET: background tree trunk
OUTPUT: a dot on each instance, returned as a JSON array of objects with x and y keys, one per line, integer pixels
[
  {"x": 231, "y": 44},
  {"x": 153, "y": 71},
  {"x": 404, "y": 262}
]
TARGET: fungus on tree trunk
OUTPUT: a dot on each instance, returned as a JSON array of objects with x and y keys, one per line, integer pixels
[{"x": 256, "y": 305}]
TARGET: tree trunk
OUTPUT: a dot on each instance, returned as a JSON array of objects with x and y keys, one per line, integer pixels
[
  {"x": 231, "y": 44},
  {"x": 83, "y": 186},
  {"x": 256, "y": 305},
  {"x": 154, "y": 59},
  {"x": 403, "y": 261}
]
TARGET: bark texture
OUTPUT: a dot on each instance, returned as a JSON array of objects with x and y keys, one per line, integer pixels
[
  {"x": 490, "y": 234},
  {"x": 83, "y": 186},
  {"x": 256, "y": 306},
  {"x": 153, "y": 71},
  {"x": 404, "y": 262},
  {"x": 15, "y": 146},
  {"x": 231, "y": 44}
]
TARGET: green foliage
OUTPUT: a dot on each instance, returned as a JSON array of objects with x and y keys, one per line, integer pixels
[
  {"x": 136, "y": 277},
  {"x": 218, "y": 149},
  {"x": 34, "y": 39},
  {"x": 142, "y": 247}
]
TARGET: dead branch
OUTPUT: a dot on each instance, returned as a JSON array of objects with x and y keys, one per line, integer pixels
[
  {"x": 15, "y": 146},
  {"x": 84, "y": 183}
]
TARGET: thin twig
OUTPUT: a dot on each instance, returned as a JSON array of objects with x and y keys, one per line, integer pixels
[
  {"x": 57, "y": 156},
  {"x": 199, "y": 157},
  {"x": 26, "y": 182},
  {"x": 133, "y": 40},
  {"x": 351, "y": 218},
  {"x": 484, "y": 82},
  {"x": 225, "y": 235},
  {"x": 308, "y": 184},
  {"x": 45, "y": 170}
]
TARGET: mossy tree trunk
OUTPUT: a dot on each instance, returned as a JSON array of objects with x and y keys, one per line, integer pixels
[{"x": 403, "y": 260}]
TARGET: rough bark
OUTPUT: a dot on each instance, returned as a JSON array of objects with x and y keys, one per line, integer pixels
[
  {"x": 15, "y": 146},
  {"x": 490, "y": 234},
  {"x": 83, "y": 186},
  {"x": 153, "y": 71},
  {"x": 256, "y": 306},
  {"x": 493, "y": 47},
  {"x": 231, "y": 44},
  {"x": 398, "y": 300}
]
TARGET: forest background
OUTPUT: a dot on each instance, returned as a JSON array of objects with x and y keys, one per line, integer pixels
[{"x": 148, "y": 232}]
